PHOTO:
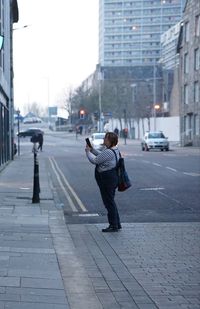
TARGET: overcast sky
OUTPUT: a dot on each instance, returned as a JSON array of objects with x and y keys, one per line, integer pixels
[{"x": 58, "y": 49}]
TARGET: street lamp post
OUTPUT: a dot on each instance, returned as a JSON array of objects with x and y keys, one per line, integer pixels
[
  {"x": 134, "y": 86},
  {"x": 155, "y": 108},
  {"x": 100, "y": 100},
  {"x": 48, "y": 99},
  {"x": 125, "y": 131},
  {"x": 18, "y": 144}
]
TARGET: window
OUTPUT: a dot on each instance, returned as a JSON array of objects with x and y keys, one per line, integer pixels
[
  {"x": 186, "y": 63},
  {"x": 185, "y": 94},
  {"x": 196, "y": 92},
  {"x": 184, "y": 124},
  {"x": 187, "y": 124},
  {"x": 196, "y": 125},
  {"x": 196, "y": 58},
  {"x": 187, "y": 32},
  {"x": 197, "y": 25}
]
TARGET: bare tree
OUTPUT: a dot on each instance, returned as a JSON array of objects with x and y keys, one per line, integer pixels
[{"x": 34, "y": 108}]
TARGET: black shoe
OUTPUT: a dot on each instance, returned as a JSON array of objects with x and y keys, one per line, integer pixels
[
  {"x": 119, "y": 227},
  {"x": 110, "y": 229}
]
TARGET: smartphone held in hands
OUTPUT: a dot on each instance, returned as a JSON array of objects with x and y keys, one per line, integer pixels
[{"x": 88, "y": 142}]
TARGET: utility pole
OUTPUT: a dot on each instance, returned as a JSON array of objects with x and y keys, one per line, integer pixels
[
  {"x": 154, "y": 94},
  {"x": 125, "y": 131},
  {"x": 100, "y": 100},
  {"x": 18, "y": 140}
]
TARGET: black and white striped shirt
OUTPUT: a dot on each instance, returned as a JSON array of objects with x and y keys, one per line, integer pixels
[{"x": 105, "y": 159}]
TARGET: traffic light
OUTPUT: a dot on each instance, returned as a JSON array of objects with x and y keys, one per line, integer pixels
[{"x": 82, "y": 114}]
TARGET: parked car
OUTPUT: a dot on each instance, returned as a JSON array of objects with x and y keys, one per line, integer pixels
[
  {"x": 30, "y": 132},
  {"x": 155, "y": 140},
  {"x": 97, "y": 140},
  {"x": 32, "y": 120}
]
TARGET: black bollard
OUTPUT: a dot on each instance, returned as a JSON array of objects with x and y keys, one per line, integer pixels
[{"x": 36, "y": 181}]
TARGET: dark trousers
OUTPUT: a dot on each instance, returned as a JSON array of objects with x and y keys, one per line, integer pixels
[
  {"x": 40, "y": 146},
  {"x": 107, "y": 182}
]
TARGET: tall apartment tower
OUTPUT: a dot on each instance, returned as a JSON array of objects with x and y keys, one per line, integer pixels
[{"x": 130, "y": 30}]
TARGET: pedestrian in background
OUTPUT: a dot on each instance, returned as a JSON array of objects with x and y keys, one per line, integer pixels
[
  {"x": 40, "y": 141},
  {"x": 106, "y": 177},
  {"x": 116, "y": 131}
]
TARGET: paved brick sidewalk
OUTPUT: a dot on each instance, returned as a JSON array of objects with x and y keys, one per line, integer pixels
[
  {"x": 144, "y": 266},
  {"x": 45, "y": 263}
]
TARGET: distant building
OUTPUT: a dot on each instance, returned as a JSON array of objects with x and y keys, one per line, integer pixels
[
  {"x": 130, "y": 30},
  {"x": 8, "y": 16},
  {"x": 189, "y": 74},
  {"x": 169, "y": 40}
]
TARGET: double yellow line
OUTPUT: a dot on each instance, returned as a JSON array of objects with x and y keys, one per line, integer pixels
[{"x": 66, "y": 188}]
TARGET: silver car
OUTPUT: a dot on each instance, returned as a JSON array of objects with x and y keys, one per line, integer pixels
[
  {"x": 155, "y": 140},
  {"x": 97, "y": 140}
]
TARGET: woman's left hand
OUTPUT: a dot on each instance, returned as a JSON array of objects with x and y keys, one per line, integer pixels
[{"x": 87, "y": 148}]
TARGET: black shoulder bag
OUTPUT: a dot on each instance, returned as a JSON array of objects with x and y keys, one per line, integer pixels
[{"x": 123, "y": 180}]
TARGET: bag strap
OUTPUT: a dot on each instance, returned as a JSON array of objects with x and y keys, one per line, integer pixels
[{"x": 116, "y": 155}]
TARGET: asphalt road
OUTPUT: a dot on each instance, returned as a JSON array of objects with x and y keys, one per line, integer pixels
[{"x": 165, "y": 185}]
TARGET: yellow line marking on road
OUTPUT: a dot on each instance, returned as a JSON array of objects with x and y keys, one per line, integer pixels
[
  {"x": 70, "y": 188},
  {"x": 73, "y": 207}
]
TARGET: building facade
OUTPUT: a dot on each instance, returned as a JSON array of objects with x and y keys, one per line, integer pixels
[
  {"x": 169, "y": 40},
  {"x": 189, "y": 74},
  {"x": 170, "y": 60},
  {"x": 130, "y": 30},
  {"x": 8, "y": 15}
]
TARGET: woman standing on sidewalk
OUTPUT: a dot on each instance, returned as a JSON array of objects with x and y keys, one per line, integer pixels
[{"x": 106, "y": 177}]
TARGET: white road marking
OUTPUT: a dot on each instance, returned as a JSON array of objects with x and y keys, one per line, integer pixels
[
  {"x": 145, "y": 161},
  {"x": 171, "y": 169},
  {"x": 152, "y": 189},
  {"x": 88, "y": 215},
  {"x": 157, "y": 164},
  {"x": 70, "y": 188},
  {"x": 169, "y": 197},
  {"x": 170, "y": 154},
  {"x": 192, "y": 174},
  {"x": 73, "y": 207},
  {"x": 24, "y": 188}
]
